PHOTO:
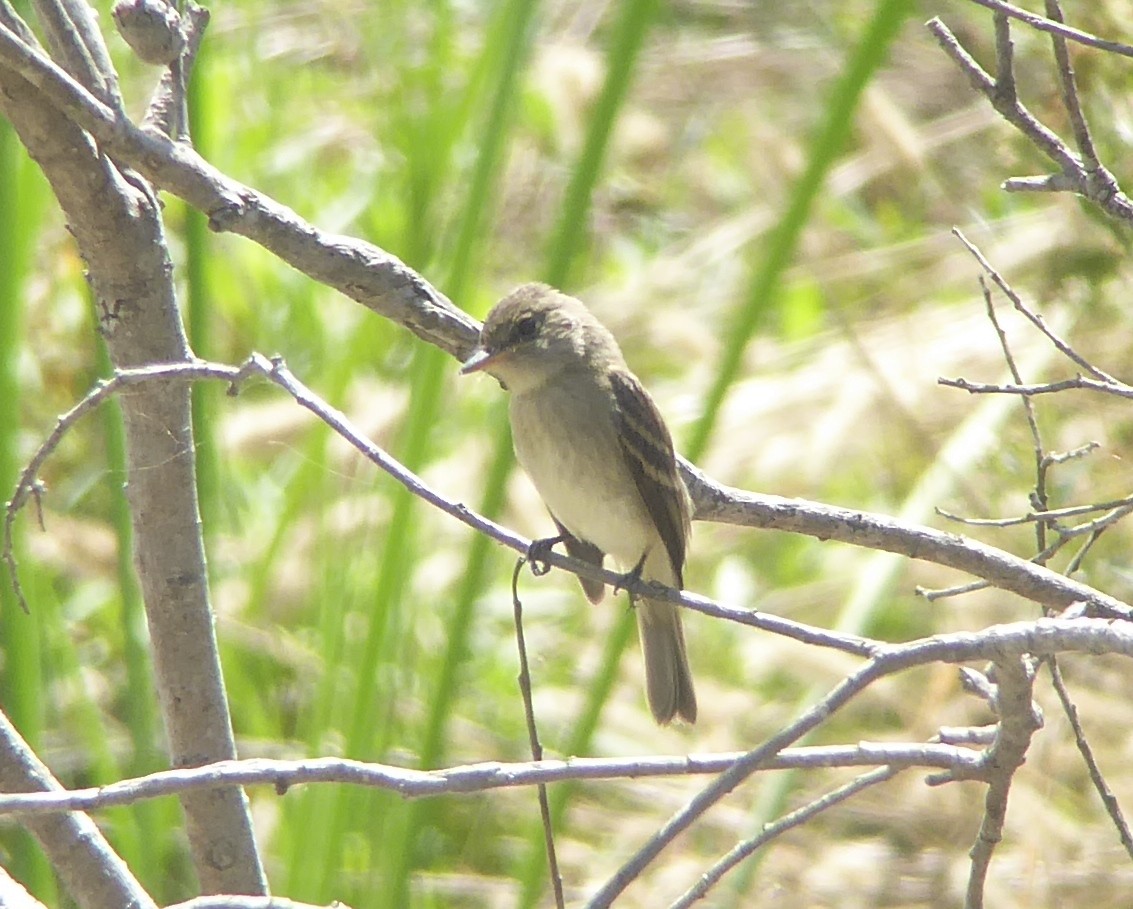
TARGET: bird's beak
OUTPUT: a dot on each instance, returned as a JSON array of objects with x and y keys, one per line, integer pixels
[{"x": 475, "y": 363}]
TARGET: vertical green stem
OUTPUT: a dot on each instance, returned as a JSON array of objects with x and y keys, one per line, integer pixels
[
  {"x": 868, "y": 55},
  {"x": 21, "y": 676}
]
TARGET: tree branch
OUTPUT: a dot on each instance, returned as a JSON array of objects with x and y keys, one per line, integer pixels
[
  {"x": 997, "y": 643},
  {"x": 1019, "y": 719},
  {"x": 727, "y": 505},
  {"x": 771, "y": 831},
  {"x": 361, "y": 271},
  {"x": 92, "y": 873},
  {"x": 387, "y": 286},
  {"x": 1078, "y": 173},
  {"x": 471, "y": 779},
  {"x": 117, "y": 225},
  {"x": 1055, "y": 28},
  {"x": 228, "y": 901}
]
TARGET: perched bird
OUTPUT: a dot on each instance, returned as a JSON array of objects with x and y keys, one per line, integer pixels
[{"x": 601, "y": 457}]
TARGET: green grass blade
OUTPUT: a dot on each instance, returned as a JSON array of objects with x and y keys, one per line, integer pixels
[
  {"x": 506, "y": 51},
  {"x": 621, "y": 61},
  {"x": 200, "y": 309},
  {"x": 622, "y": 56},
  {"x": 21, "y": 674},
  {"x": 868, "y": 56}
]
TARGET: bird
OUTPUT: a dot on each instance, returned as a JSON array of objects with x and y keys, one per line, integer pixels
[{"x": 598, "y": 451}]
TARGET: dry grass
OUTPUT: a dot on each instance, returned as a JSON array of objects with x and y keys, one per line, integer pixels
[{"x": 839, "y": 403}]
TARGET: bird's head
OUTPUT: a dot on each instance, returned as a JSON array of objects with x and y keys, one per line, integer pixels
[{"x": 534, "y": 333}]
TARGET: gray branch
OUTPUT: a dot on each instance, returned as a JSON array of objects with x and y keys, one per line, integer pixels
[
  {"x": 471, "y": 779},
  {"x": 999, "y": 643},
  {"x": 117, "y": 227},
  {"x": 90, "y": 870}
]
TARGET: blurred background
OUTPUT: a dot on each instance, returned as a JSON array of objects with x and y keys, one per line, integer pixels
[{"x": 757, "y": 199}]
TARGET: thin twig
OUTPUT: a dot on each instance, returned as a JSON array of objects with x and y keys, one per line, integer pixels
[
  {"x": 715, "y": 502},
  {"x": 1033, "y": 317},
  {"x": 471, "y": 779},
  {"x": 1008, "y": 106},
  {"x": 771, "y": 831},
  {"x": 166, "y": 111},
  {"x": 930, "y": 595},
  {"x": 1086, "y": 178},
  {"x": 1056, "y": 28},
  {"x": 1004, "y": 59},
  {"x": 1109, "y": 800},
  {"x": 232, "y": 901},
  {"x": 1091, "y": 528},
  {"x": 942, "y": 593},
  {"x": 28, "y": 483},
  {"x": 1068, "y": 512},
  {"x": 1001, "y": 643},
  {"x": 277, "y": 372},
  {"x": 1120, "y": 389},
  {"x": 1039, "y": 496},
  {"x": 1073, "y": 454},
  {"x": 533, "y": 737},
  {"x": 1070, "y": 99}
]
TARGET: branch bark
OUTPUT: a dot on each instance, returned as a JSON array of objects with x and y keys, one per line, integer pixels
[
  {"x": 116, "y": 221},
  {"x": 90, "y": 870}
]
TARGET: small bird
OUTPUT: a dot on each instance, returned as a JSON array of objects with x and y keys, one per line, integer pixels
[{"x": 600, "y": 455}]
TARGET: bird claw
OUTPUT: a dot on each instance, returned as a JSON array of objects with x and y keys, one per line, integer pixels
[
  {"x": 630, "y": 578},
  {"x": 537, "y": 554}
]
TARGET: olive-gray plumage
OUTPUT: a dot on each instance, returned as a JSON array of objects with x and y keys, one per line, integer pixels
[{"x": 600, "y": 455}]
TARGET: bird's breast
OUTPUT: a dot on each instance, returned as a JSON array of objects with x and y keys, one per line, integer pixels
[{"x": 566, "y": 441}]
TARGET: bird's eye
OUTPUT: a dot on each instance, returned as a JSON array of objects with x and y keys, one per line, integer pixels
[{"x": 526, "y": 328}]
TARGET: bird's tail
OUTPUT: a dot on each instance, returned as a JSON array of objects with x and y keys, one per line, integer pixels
[{"x": 668, "y": 680}]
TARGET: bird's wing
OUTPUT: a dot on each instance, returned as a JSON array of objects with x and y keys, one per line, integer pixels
[{"x": 648, "y": 450}]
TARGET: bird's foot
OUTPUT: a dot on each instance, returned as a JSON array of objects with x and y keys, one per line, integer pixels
[
  {"x": 630, "y": 578},
  {"x": 537, "y": 554}
]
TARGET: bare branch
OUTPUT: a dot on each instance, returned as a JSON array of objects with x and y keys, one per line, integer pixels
[
  {"x": 116, "y": 221},
  {"x": 727, "y": 505},
  {"x": 166, "y": 111},
  {"x": 533, "y": 736},
  {"x": 1109, "y": 800},
  {"x": 1120, "y": 389},
  {"x": 1005, "y": 102},
  {"x": 361, "y": 271},
  {"x": 1056, "y": 28},
  {"x": 999, "y": 643},
  {"x": 1030, "y": 315},
  {"x": 11, "y": 20},
  {"x": 470, "y": 779},
  {"x": 1089, "y": 179},
  {"x": 1004, "y": 59},
  {"x": 248, "y": 902},
  {"x": 89, "y": 868},
  {"x": 1019, "y": 719},
  {"x": 73, "y": 38},
  {"x": 14, "y": 896},
  {"x": 1070, "y": 99},
  {"x": 384, "y": 284},
  {"x": 796, "y": 818},
  {"x": 1031, "y": 516}
]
